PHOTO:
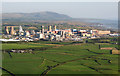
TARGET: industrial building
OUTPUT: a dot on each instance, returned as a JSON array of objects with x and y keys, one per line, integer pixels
[{"x": 52, "y": 33}]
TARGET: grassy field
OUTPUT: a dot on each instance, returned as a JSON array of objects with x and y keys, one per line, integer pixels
[
  {"x": 6, "y": 46},
  {"x": 83, "y": 58}
]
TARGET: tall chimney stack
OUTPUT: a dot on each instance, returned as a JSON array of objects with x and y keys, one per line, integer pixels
[
  {"x": 6, "y": 29},
  {"x": 12, "y": 30},
  {"x": 49, "y": 28},
  {"x": 55, "y": 27},
  {"x": 42, "y": 29}
]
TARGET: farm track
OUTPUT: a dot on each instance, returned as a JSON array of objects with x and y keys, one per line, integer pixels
[
  {"x": 51, "y": 67},
  {"x": 7, "y": 71},
  {"x": 97, "y": 62},
  {"x": 42, "y": 62},
  {"x": 92, "y": 68},
  {"x": 9, "y": 54},
  {"x": 93, "y": 52}
]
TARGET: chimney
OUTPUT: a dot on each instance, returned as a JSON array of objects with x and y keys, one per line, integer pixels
[
  {"x": 12, "y": 30},
  {"x": 49, "y": 28},
  {"x": 42, "y": 29},
  {"x": 6, "y": 29},
  {"x": 55, "y": 27}
]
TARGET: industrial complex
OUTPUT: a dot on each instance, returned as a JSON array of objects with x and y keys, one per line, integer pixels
[{"x": 52, "y": 34}]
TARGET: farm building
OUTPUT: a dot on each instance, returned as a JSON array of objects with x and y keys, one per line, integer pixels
[
  {"x": 107, "y": 48},
  {"x": 103, "y": 32},
  {"x": 22, "y": 51},
  {"x": 115, "y": 51}
]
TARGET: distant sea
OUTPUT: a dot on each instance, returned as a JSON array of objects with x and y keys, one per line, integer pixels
[{"x": 110, "y": 24}]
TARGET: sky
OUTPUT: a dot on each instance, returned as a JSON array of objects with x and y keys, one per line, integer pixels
[
  {"x": 59, "y": 0},
  {"x": 99, "y": 10}
]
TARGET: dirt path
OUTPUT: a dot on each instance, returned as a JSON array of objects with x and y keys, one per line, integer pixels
[
  {"x": 42, "y": 62},
  {"x": 7, "y": 71},
  {"x": 51, "y": 67}
]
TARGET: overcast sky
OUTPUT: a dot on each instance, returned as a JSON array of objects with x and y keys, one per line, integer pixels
[
  {"x": 99, "y": 10},
  {"x": 60, "y": 0}
]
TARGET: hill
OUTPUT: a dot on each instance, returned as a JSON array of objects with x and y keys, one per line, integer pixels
[
  {"x": 35, "y": 16},
  {"x": 53, "y": 17}
]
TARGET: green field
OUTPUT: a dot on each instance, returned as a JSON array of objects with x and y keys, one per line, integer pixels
[
  {"x": 68, "y": 58},
  {"x": 6, "y": 46}
]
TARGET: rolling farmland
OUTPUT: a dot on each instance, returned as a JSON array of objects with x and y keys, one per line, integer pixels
[{"x": 83, "y": 58}]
